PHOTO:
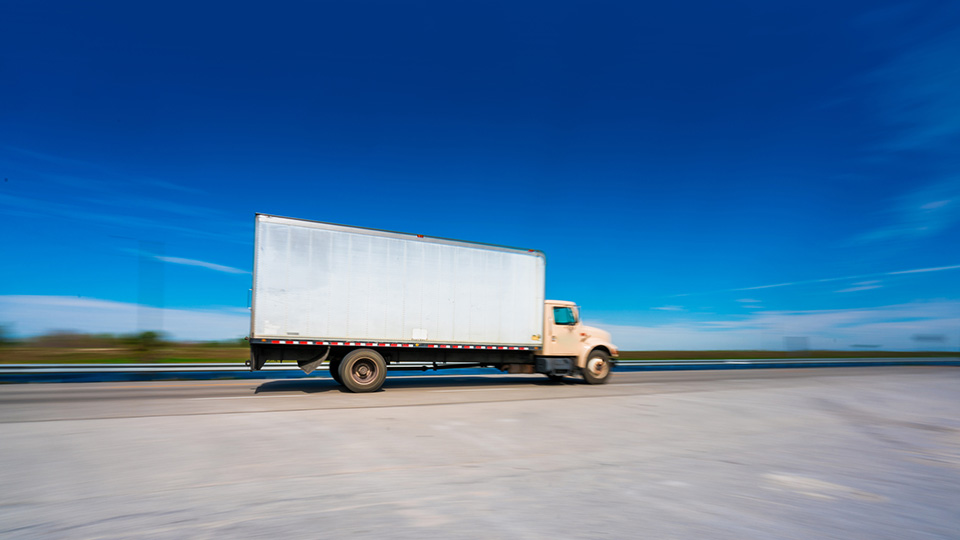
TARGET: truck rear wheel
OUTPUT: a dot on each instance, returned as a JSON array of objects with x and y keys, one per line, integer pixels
[
  {"x": 597, "y": 370},
  {"x": 363, "y": 370},
  {"x": 335, "y": 370}
]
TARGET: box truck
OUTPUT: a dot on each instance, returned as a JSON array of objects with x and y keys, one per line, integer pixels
[{"x": 366, "y": 301}]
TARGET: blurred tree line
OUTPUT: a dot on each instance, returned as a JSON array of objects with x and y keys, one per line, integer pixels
[{"x": 141, "y": 341}]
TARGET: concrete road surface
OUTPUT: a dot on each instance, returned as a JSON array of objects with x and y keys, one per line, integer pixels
[{"x": 867, "y": 453}]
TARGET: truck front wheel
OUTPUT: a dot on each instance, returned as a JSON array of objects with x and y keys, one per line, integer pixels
[
  {"x": 597, "y": 370},
  {"x": 363, "y": 370}
]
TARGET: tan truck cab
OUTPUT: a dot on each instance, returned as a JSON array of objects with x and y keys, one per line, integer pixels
[{"x": 564, "y": 336}]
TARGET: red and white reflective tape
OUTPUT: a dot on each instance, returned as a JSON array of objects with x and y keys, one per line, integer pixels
[{"x": 397, "y": 345}]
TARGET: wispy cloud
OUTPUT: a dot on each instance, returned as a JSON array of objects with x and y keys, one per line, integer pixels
[
  {"x": 936, "y": 204},
  {"x": 916, "y": 104},
  {"x": 822, "y": 280},
  {"x": 920, "y": 270},
  {"x": 33, "y": 207},
  {"x": 920, "y": 213},
  {"x": 170, "y": 185},
  {"x": 862, "y": 286},
  {"x": 45, "y": 157},
  {"x": 844, "y": 278},
  {"x": 748, "y": 301},
  {"x": 91, "y": 192},
  {"x": 129, "y": 202},
  {"x": 919, "y": 92},
  {"x": 82, "y": 173},
  {"x": 894, "y": 327},
  {"x": 669, "y": 308},
  {"x": 202, "y": 264}
]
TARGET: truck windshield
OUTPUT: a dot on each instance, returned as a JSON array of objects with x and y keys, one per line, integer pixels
[{"x": 564, "y": 315}]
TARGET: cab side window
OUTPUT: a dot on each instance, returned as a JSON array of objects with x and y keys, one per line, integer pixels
[{"x": 564, "y": 316}]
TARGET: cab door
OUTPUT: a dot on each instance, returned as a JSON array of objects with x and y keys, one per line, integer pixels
[{"x": 563, "y": 337}]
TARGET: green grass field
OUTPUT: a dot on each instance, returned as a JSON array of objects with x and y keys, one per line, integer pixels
[{"x": 165, "y": 353}]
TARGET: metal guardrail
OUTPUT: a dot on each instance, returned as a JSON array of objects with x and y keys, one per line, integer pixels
[
  {"x": 159, "y": 367},
  {"x": 772, "y": 363},
  {"x": 39, "y": 373}
]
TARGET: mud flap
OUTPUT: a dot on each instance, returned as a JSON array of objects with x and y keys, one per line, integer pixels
[
  {"x": 256, "y": 360},
  {"x": 308, "y": 358},
  {"x": 310, "y": 364}
]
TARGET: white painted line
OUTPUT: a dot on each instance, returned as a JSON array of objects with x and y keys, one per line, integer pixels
[
  {"x": 475, "y": 389},
  {"x": 242, "y": 397}
]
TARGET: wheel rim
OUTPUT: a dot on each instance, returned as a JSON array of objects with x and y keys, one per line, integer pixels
[
  {"x": 597, "y": 367},
  {"x": 364, "y": 371}
]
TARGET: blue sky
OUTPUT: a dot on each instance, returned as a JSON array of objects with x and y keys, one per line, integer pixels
[{"x": 699, "y": 174}]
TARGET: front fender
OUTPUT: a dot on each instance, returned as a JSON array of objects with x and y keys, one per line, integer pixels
[{"x": 590, "y": 345}]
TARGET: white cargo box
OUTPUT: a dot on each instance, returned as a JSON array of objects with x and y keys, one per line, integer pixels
[{"x": 316, "y": 281}]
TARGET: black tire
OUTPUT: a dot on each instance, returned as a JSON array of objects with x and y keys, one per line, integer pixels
[
  {"x": 335, "y": 370},
  {"x": 555, "y": 378},
  {"x": 597, "y": 370},
  {"x": 363, "y": 370}
]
